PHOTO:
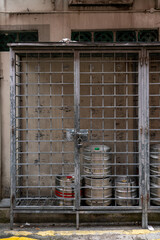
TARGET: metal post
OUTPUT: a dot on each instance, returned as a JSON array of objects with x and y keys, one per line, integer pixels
[
  {"x": 146, "y": 133},
  {"x": 77, "y": 127},
  {"x": 143, "y": 113},
  {"x": 13, "y": 137},
  {"x": 77, "y": 220}
]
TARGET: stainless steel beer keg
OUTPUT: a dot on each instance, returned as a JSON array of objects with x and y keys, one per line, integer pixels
[
  {"x": 64, "y": 191},
  {"x": 97, "y": 160},
  {"x": 98, "y": 191},
  {"x": 125, "y": 191},
  {"x": 155, "y": 173}
]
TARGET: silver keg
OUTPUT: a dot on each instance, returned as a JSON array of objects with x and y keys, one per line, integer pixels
[
  {"x": 97, "y": 160},
  {"x": 64, "y": 190},
  {"x": 125, "y": 191},
  {"x": 155, "y": 173},
  {"x": 98, "y": 191},
  {"x": 155, "y": 193}
]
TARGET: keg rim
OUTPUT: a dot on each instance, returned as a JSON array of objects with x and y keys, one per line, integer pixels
[
  {"x": 154, "y": 146},
  {"x": 94, "y": 148},
  {"x": 124, "y": 180}
]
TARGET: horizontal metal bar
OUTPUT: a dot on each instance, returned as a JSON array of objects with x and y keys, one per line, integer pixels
[
  {"x": 109, "y": 95},
  {"x": 48, "y": 141},
  {"x": 85, "y": 211},
  {"x": 89, "y": 60},
  {"x": 45, "y": 95},
  {"x": 39, "y": 60},
  {"x": 42, "y": 83},
  {"x": 111, "y": 107},
  {"x": 116, "y": 72},
  {"x": 66, "y": 72},
  {"x": 81, "y": 84},
  {"x": 72, "y": 152},
  {"x": 154, "y": 95},
  {"x": 38, "y": 118},
  {"x": 62, "y": 129}
]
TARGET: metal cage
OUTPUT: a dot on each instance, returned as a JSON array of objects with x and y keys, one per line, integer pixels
[{"x": 83, "y": 121}]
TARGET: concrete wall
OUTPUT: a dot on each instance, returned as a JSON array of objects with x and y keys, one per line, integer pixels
[
  {"x": 20, "y": 5},
  {"x": 53, "y": 26},
  {"x": 61, "y": 5}
]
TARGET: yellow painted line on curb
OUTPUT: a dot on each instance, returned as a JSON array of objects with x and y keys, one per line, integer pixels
[
  {"x": 81, "y": 232},
  {"x": 45, "y": 233},
  {"x": 18, "y": 233},
  {"x": 17, "y": 238},
  {"x": 90, "y": 232}
]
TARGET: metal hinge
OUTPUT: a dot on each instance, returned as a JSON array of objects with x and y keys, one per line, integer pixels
[
  {"x": 12, "y": 62},
  {"x": 146, "y": 60},
  {"x": 141, "y": 61}
]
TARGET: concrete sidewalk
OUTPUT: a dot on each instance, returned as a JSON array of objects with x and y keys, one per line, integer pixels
[{"x": 29, "y": 232}]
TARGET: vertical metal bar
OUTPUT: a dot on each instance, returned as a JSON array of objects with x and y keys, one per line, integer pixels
[
  {"x": 90, "y": 97},
  {"x": 50, "y": 103},
  {"x": 115, "y": 113},
  {"x": 127, "y": 115},
  {"x": 142, "y": 137},
  {"x": 146, "y": 133},
  {"x": 38, "y": 127},
  {"x": 77, "y": 127},
  {"x": 77, "y": 220},
  {"x": 27, "y": 135},
  {"x": 62, "y": 88},
  {"x": 18, "y": 112},
  {"x": 13, "y": 138}
]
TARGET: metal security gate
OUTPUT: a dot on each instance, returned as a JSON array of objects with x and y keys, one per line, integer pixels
[{"x": 79, "y": 129}]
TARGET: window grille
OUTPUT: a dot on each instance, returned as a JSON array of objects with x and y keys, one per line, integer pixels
[
  {"x": 125, "y": 36},
  {"x": 12, "y": 37},
  {"x": 148, "y": 36},
  {"x": 116, "y": 36},
  {"x": 106, "y": 36},
  {"x": 82, "y": 36}
]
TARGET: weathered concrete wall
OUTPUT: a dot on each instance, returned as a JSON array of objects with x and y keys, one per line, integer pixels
[
  {"x": 20, "y": 5},
  {"x": 61, "y": 5},
  {"x": 53, "y": 27}
]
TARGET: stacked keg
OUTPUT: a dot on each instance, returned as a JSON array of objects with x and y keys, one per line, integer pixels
[
  {"x": 155, "y": 173},
  {"x": 97, "y": 168},
  {"x": 125, "y": 191}
]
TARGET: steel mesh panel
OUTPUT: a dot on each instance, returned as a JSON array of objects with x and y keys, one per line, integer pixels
[
  {"x": 46, "y": 165},
  {"x": 44, "y": 109},
  {"x": 109, "y": 110}
]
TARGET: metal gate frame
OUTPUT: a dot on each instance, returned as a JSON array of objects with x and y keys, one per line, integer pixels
[{"x": 143, "y": 127}]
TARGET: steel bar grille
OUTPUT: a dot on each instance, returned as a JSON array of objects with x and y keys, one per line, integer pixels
[
  {"x": 44, "y": 110},
  {"x": 85, "y": 132},
  {"x": 45, "y": 114},
  {"x": 109, "y": 110}
]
